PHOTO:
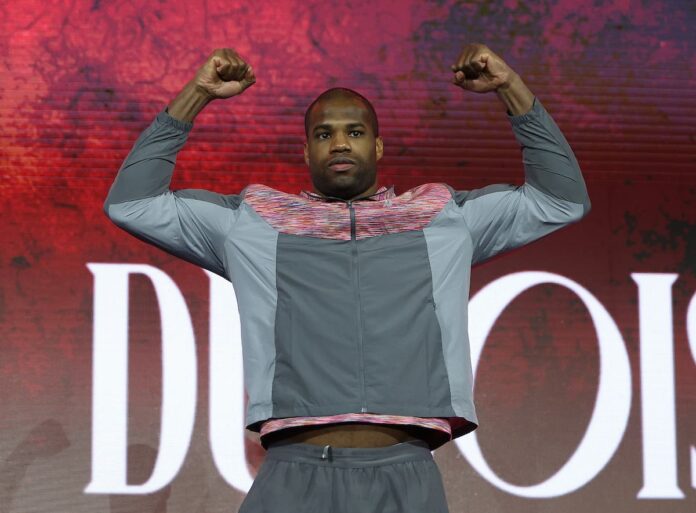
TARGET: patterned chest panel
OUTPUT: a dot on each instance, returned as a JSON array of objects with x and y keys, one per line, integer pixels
[{"x": 297, "y": 215}]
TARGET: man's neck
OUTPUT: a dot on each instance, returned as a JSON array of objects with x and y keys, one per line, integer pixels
[{"x": 369, "y": 192}]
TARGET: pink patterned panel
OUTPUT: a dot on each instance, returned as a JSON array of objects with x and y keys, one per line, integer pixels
[{"x": 310, "y": 216}]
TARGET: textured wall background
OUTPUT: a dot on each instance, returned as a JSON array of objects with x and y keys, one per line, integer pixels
[{"x": 80, "y": 80}]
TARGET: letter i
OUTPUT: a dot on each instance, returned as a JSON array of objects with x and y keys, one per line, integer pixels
[{"x": 658, "y": 409}]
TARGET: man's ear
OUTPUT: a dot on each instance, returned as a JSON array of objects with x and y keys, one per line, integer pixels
[
  {"x": 306, "y": 153},
  {"x": 379, "y": 147}
]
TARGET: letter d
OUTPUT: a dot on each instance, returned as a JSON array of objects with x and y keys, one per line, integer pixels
[{"x": 110, "y": 380}]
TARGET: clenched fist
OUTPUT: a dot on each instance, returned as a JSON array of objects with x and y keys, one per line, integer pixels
[
  {"x": 478, "y": 69},
  {"x": 224, "y": 74}
]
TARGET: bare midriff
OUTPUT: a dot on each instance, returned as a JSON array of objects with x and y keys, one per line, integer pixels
[{"x": 350, "y": 435}]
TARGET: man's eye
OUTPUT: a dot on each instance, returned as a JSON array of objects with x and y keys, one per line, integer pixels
[
  {"x": 355, "y": 133},
  {"x": 323, "y": 135}
]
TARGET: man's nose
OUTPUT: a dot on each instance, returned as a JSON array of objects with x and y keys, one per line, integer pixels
[{"x": 340, "y": 143}]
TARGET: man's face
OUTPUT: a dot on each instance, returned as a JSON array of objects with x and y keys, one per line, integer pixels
[{"x": 342, "y": 150}]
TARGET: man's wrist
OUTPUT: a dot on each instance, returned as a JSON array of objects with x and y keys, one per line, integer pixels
[
  {"x": 189, "y": 103},
  {"x": 515, "y": 95}
]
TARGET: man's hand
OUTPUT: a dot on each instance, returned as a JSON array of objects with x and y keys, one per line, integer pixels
[
  {"x": 224, "y": 74},
  {"x": 480, "y": 70}
]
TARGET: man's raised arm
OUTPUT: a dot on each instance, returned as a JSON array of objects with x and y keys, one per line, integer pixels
[
  {"x": 223, "y": 75},
  {"x": 190, "y": 224},
  {"x": 503, "y": 216}
]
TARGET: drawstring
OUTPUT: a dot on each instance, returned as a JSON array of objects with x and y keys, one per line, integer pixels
[{"x": 326, "y": 453}]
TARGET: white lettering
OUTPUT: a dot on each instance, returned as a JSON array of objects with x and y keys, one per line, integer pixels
[
  {"x": 657, "y": 386},
  {"x": 691, "y": 335},
  {"x": 110, "y": 379},
  {"x": 604, "y": 432},
  {"x": 610, "y": 416},
  {"x": 227, "y": 386}
]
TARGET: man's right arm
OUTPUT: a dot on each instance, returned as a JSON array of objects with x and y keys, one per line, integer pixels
[{"x": 191, "y": 224}]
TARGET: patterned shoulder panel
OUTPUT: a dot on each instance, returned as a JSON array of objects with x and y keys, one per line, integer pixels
[
  {"x": 412, "y": 210},
  {"x": 308, "y": 217}
]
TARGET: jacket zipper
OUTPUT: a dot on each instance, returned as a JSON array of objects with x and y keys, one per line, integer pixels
[{"x": 356, "y": 285}]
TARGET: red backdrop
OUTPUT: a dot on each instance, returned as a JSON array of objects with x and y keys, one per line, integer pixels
[{"x": 80, "y": 80}]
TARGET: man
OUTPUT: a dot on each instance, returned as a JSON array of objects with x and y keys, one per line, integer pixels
[{"x": 352, "y": 300}]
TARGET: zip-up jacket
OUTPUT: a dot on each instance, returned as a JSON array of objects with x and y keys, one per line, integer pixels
[{"x": 351, "y": 306}]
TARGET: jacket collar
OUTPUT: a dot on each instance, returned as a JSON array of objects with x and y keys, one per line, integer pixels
[{"x": 383, "y": 193}]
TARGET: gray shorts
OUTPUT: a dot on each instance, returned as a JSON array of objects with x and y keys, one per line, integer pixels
[{"x": 306, "y": 478}]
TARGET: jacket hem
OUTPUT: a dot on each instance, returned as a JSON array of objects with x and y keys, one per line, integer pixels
[{"x": 259, "y": 414}]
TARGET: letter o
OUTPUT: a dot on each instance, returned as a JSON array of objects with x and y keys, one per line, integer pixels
[{"x": 612, "y": 406}]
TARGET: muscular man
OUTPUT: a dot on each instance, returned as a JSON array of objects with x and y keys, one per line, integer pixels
[{"x": 353, "y": 300}]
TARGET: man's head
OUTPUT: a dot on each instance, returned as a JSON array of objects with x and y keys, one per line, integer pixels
[{"x": 343, "y": 144}]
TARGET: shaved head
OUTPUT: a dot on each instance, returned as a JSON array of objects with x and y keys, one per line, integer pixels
[
  {"x": 342, "y": 147},
  {"x": 342, "y": 93}
]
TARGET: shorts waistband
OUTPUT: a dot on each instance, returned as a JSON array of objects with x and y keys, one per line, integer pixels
[{"x": 415, "y": 450}]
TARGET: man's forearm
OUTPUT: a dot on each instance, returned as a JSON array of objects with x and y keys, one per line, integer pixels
[
  {"x": 188, "y": 103},
  {"x": 516, "y": 96}
]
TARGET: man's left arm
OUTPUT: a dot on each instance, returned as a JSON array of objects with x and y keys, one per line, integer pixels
[{"x": 502, "y": 216}]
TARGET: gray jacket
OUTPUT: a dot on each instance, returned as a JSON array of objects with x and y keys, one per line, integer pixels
[{"x": 350, "y": 307}]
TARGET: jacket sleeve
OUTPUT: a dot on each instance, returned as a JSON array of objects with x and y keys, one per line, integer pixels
[
  {"x": 191, "y": 224},
  {"x": 501, "y": 217}
]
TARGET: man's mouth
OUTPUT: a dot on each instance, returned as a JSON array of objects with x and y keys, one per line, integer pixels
[{"x": 341, "y": 164}]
